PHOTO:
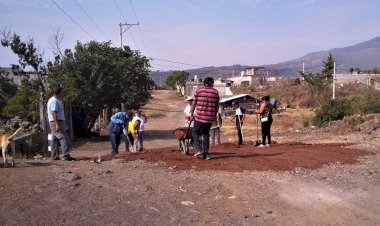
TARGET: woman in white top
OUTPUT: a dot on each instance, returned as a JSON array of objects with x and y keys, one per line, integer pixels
[{"x": 239, "y": 116}]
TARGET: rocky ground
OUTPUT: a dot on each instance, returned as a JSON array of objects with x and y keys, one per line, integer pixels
[{"x": 344, "y": 189}]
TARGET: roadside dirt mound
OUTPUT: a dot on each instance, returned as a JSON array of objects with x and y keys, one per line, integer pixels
[{"x": 227, "y": 157}]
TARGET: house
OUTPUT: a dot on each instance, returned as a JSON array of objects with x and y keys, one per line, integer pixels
[
  {"x": 17, "y": 79},
  {"x": 223, "y": 86},
  {"x": 254, "y": 76},
  {"x": 246, "y": 101}
]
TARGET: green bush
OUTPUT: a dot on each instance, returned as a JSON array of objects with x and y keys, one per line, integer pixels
[
  {"x": 331, "y": 110},
  {"x": 24, "y": 104},
  {"x": 372, "y": 105},
  {"x": 355, "y": 121},
  {"x": 306, "y": 122},
  {"x": 364, "y": 102}
]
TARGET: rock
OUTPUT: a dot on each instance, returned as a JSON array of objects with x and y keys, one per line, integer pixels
[
  {"x": 38, "y": 157},
  {"x": 187, "y": 203},
  {"x": 71, "y": 176},
  {"x": 368, "y": 126},
  {"x": 108, "y": 172},
  {"x": 155, "y": 209},
  {"x": 183, "y": 190},
  {"x": 270, "y": 212},
  {"x": 149, "y": 188},
  {"x": 232, "y": 197}
]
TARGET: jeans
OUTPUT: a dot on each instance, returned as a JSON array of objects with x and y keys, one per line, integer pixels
[
  {"x": 265, "y": 128},
  {"x": 115, "y": 142},
  {"x": 59, "y": 137},
  {"x": 205, "y": 128},
  {"x": 215, "y": 132},
  {"x": 141, "y": 134}
]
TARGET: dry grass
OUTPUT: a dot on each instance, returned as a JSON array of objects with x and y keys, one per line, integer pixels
[{"x": 292, "y": 119}]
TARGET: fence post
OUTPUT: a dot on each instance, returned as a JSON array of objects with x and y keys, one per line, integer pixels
[
  {"x": 43, "y": 124},
  {"x": 71, "y": 129}
]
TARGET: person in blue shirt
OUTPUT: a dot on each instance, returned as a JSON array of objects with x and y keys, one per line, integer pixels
[
  {"x": 56, "y": 116},
  {"x": 118, "y": 122}
]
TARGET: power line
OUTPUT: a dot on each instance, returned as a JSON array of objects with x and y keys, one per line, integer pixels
[
  {"x": 176, "y": 62},
  {"x": 118, "y": 9},
  {"x": 165, "y": 65},
  {"x": 93, "y": 22},
  {"x": 125, "y": 20},
  {"x": 72, "y": 19},
  {"x": 140, "y": 29}
]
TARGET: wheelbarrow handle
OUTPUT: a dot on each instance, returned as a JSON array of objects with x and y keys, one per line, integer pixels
[{"x": 188, "y": 129}]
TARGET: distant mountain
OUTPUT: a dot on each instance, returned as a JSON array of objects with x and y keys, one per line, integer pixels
[{"x": 365, "y": 55}]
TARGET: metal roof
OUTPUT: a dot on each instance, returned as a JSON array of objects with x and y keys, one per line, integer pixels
[{"x": 224, "y": 100}]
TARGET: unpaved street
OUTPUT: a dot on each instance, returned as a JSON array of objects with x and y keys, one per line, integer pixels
[{"x": 158, "y": 189}]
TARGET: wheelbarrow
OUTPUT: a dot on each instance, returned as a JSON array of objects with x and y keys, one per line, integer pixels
[{"x": 184, "y": 135}]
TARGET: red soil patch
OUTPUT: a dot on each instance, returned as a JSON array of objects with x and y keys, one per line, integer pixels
[{"x": 227, "y": 157}]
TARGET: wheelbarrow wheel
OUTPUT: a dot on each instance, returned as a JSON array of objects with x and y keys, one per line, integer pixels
[{"x": 184, "y": 147}]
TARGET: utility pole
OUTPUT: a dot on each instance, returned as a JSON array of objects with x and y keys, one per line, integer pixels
[
  {"x": 121, "y": 31},
  {"x": 334, "y": 81},
  {"x": 303, "y": 67}
]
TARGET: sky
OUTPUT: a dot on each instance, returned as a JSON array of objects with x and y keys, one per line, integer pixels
[{"x": 197, "y": 32}]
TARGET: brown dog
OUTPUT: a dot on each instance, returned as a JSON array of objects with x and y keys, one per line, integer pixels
[{"x": 5, "y": 141}]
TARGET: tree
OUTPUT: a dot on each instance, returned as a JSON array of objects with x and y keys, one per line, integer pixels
[
  {"x": 320, "y": 81},
  {"x": 177, "y": 80},
  {"x": 95, "y": 75},
  {"x": 7, "y": 90},
  {"x": 328, "y": 68},
  {"x": 28, "y": 55},
  {"x": 25, "y": 103}
]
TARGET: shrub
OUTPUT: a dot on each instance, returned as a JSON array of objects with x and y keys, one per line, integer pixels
[
  {"x": 24, "y": 104},
  {"x": 331, "y": 110},
  {"x": 306, "y": 122},
  {"x": 353, "y": 122}
]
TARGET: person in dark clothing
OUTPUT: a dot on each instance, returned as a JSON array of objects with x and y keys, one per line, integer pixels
[
  {"x": 239, "y": 119},
  {"x": 266, "y": 119},
  {"x": 206, "y": 104}
]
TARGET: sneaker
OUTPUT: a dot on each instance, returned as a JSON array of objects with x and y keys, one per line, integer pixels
[
  {"x": 198, "y": 153},
  {"x": 267, "y": 145},
  {"x": 207, "y": 157},
  {"x": 69, "y": 159},
  {"x": 261, "y": 146},
  {"x": 56, "y": 158}
]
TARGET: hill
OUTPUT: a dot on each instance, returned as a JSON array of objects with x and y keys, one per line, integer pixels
[{"x": 365, "y": 55}]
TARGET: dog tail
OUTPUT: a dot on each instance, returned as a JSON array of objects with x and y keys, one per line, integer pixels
[{"x": 14, "y": 134}]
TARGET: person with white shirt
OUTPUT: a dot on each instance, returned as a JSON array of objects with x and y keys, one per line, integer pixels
[
  {"x": 142, "y": 119},
  {"x": 187, "y": 112},
  {"x": 239, "y": 116}
]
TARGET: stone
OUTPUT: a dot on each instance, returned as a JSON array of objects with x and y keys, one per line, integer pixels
[
  {"x": 367, "y": 127},
  {"x": 187, "y": 203}
]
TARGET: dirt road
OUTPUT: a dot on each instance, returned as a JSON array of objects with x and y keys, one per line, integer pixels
[{"x": 132, "y": 191}]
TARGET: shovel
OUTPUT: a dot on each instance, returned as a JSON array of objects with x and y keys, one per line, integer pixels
[{"x": 258, "y": 141}]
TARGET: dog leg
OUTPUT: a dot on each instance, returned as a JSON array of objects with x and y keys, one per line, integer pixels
[{"x": 4, "y": 152}]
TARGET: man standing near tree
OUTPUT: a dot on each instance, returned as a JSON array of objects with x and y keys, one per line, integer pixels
[
  {"x": 56, "y": 116},
  {"x": 206, "y": 103}
]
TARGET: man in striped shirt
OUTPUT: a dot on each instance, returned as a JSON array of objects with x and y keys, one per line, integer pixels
[{"x": 206, "y": 104}]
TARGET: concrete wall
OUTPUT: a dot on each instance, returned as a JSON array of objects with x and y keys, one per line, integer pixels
[{"x": 355, "y": 78}]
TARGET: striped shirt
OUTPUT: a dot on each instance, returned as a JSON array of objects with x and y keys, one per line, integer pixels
[{"x": 207, "y": 98}]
